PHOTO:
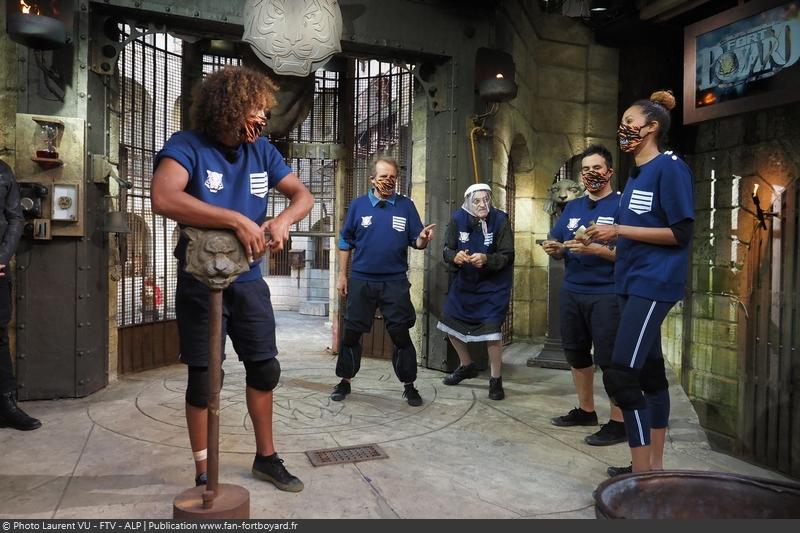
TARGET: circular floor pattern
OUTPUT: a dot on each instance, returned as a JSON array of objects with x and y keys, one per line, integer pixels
[{"x": 304, "y": 417}]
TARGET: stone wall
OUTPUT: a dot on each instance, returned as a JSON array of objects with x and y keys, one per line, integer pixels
[
  {"x": 567, "y": 99},
  {"x": 730, "y": 155},
  {"x": 419, "y": 191}
]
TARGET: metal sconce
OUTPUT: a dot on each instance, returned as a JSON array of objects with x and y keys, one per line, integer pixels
[
  {"x": 496, "y": 90},
  {"x": 761, "y": 215},
  {"x": 28, "y": 26},
  {"x": 494, "y": 79},
  {"x": 493, "y": 91}
]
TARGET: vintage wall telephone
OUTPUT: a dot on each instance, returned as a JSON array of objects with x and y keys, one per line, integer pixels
[{"x": 30, "y": 198}]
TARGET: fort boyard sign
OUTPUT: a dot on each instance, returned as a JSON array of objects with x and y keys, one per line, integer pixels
[{"x": 741, "y": 60}]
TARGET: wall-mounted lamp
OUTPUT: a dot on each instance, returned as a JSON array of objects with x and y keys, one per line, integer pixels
[
  {"x": 761, "y": 215},
  {"x": 494, "y": 78},
  {"x": 36, "y": 24},
  {"x": 498, "y": 89}
]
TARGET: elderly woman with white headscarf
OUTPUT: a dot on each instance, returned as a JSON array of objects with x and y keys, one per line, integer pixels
[{"x": 479, "y": 251}]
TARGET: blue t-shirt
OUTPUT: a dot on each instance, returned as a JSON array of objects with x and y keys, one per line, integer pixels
[
  {"x": 658, "y": 197},
  {"x": 584, "y": 273},
  {"x": 381, "y": 233},
  {"x": 240, "y": 184}
]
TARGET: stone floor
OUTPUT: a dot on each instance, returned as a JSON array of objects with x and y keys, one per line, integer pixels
[{"x": 123, "y": 452}]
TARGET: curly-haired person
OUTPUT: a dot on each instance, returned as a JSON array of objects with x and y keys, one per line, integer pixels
[{"x": 218, "y": 175}]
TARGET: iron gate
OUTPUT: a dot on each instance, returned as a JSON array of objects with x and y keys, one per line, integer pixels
[
  {"x": 150, "y": 112},
  {"x": 321, "y": 127},
  {"x": 383, "y": 95},
  {"x": 511, "y": 199},
  {"x": 770, "y": 429}
]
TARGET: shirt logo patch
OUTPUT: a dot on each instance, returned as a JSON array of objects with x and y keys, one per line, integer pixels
[
  {"x": 399, "y": 223},
  {"x": 641, "y": 201},
  {"x": 259, "y": 184},
  {"x": 605, "y": 220},
  {"x": 214, "y": 181},
  {"x": 573, "y": 223},
  {"x": 488, "y": 239},
  {"x": 366, "y": 221},
  {"x": 463, "y": 236}
]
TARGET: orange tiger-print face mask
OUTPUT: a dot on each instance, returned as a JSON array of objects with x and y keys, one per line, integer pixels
[{"x": 253, "y": 127}]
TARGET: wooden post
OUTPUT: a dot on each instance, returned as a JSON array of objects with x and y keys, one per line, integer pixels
[{"x": 215, "y": 500}]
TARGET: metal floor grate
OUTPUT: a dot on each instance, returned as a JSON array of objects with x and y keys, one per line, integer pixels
[{"x": 345, "y": 454}]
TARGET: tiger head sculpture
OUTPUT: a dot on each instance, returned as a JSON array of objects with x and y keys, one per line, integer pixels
[
  {"x": 214, "y": 257},
  {"x": 293, "y": 37},
  {"x": 561, "y": 192}
]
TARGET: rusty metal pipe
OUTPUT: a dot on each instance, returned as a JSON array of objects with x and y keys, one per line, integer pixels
[
  {"x": 214, "y": 384},
  {"x": 472, "y": 132}
]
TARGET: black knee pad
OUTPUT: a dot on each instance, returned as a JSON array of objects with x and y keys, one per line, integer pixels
[
  {"x": 653, "y": 377},
  {"x": 197, "y": 386},
  {"x": 262, "y": 375},
  {"x": 351, "y": 337},
  {"x": 348, "y": 361},
  {"x": 622, "y": 386},
  {"x": 400, "y": 337},
  {"x": 578, "y": 358}
]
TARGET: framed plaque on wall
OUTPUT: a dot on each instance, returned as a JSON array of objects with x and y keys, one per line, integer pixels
[{"x": 743, "y": 59}]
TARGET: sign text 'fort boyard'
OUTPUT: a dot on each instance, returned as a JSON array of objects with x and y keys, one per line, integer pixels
[{"x": 758, "y": 53}]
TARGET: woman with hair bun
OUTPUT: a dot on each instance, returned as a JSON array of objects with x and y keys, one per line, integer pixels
[{"x": 652, "y": 235}]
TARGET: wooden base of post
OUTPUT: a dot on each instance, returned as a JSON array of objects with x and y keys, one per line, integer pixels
[{"x": 231, "y": 501}]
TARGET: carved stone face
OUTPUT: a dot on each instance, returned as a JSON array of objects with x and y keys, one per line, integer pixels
[
  {"x": 215, "y": 257},
  {"x": 293, "y": 36},
  {"x": 565, "y": 190}
]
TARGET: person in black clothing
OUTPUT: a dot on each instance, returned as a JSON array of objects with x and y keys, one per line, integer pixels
[{"x": 11, "y": 222}]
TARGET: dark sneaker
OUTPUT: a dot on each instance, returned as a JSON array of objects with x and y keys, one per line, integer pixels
[
  {"x": 270, "y": 468},
  {"x": 611, "y": 433},
  {"x": 340, "y": 391},
  {"x": 614, "y": 471},
  {"x": 460, "y": 374},
  {"x": 496, "y": 389},
  {"x": 576, "y": 417},
  {"x": 412, "y": 396},
  {"x": 202, "y": 479}
]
